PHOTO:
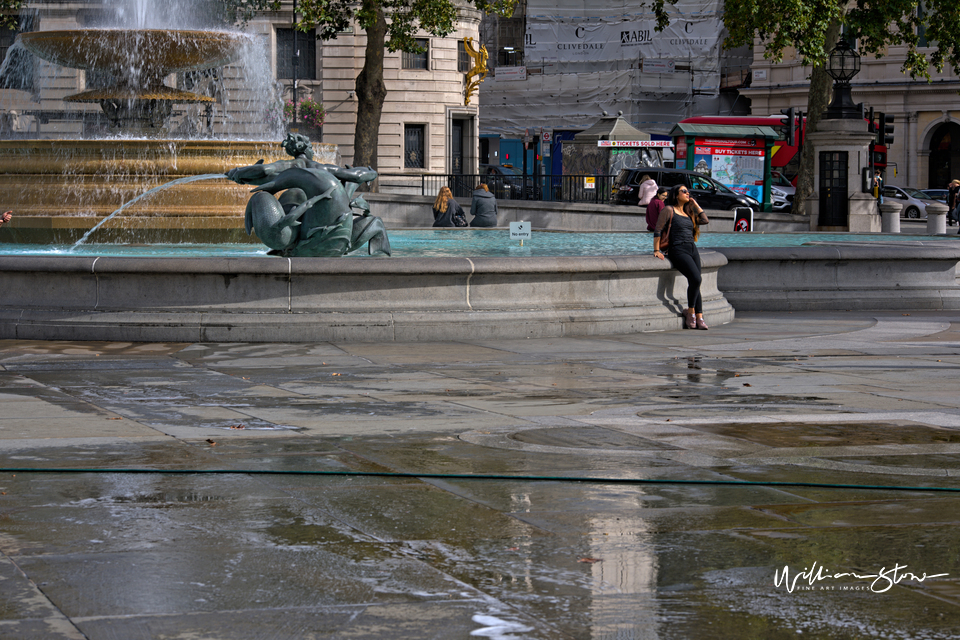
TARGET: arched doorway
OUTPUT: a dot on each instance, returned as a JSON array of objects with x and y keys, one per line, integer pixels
[{"x": 944, "y": 155}]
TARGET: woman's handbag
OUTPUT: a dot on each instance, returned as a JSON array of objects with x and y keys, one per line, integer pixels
[
  {"x": 665, "y": 234},
  {"x": 459, "y": 218}
]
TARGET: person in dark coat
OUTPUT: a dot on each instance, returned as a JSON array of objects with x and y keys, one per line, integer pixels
[
  {"x": 483, "y": 207},
  {"x": 953, "y": 201},
  {"x": 446, "y": 211}
]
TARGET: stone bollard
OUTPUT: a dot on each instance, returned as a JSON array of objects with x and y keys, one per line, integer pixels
[
  {"x": 890, "y": 216},
  {"x": 936, "y": 218}
]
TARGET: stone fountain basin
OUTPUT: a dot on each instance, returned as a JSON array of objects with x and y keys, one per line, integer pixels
[
  {"x": 145, "y": 54},
  {"x": 262, "y": 299}
]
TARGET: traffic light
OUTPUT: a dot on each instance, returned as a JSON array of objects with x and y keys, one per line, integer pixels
[
  {"x": 791, "y": 126},
  {"x": 871, "y": 125},
  {"x": 885, "y": 130}
]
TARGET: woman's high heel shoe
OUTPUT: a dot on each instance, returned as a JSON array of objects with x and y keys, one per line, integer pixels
[
  {"x": 701, "y": 324},
  {"x": 689, "y": 319}
]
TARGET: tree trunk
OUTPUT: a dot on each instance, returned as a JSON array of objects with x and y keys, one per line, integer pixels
[
  {"x": 371, "y": 91},
  {"x": 821, "y": 89}
]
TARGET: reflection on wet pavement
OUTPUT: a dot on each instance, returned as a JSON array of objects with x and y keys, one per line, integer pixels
[{"x": 859, "y": 400}]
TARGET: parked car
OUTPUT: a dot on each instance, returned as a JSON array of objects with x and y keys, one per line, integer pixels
[
  {"x": 913, "y": 200},
  {"x": 782, "y": 192},
  {"x": 506, "y": 182},
  {"x": 937, "y": 194},
  {"x": 709, "y": 193}
]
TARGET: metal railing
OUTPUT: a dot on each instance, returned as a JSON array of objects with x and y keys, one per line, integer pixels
[{"x": 594, "y": 189}]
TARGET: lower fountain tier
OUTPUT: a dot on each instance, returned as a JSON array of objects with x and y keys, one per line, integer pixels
[{"x": 59, "y": 189}]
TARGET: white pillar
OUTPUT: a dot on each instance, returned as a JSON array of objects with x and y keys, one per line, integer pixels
[
  {"x": 890, "y": 214},
  {"x": 936, "y": 219}
]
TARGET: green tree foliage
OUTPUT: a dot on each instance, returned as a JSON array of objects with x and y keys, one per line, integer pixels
[
  {"x": 405, "y": 18},
  {"x": 389, "y": 24},
  {"x": 10, "y": 13},
  {"x": 874, "y": 24}
]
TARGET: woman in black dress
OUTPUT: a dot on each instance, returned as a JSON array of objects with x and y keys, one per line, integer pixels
[{"x": 683, "y": 217}]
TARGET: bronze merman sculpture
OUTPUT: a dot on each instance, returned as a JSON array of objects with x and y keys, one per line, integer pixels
[{"x": 314, "y": 215}]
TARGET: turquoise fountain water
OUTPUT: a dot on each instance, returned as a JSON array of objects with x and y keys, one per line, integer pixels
[{"x": 477, "y": 243}]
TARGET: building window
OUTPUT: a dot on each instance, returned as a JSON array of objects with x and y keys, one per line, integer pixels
[
  {"x": 922, "y": 29},
  {"x": 307, "y": 44},
  {"x": 414, "y": 146},
  {"x": 417, "y": 60},
  {"x": 464, "y": 62},
  {"x": 509, "y": 58}
]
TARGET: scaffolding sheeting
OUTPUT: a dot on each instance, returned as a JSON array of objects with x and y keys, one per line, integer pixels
[{"x": 613, "y": 59}]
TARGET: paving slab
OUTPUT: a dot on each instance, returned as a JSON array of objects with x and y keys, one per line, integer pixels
[{"x": 783, "y": 475}]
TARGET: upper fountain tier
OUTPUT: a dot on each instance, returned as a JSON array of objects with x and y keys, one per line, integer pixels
[{"x": 138, "y": 59}]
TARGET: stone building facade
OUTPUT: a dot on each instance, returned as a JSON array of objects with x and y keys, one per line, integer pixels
[
  {"x": 926, "y": 149},
  {"x": 425, "y": 127}
]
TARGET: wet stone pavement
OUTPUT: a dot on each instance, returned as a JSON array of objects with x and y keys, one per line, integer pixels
[{"x": 867, "y": 401}]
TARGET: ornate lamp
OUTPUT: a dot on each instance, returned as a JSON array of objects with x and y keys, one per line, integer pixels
[{"x": 842, "y": 65}]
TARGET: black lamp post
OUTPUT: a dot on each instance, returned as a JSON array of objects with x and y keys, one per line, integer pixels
[{"x": 842, "y": 65}]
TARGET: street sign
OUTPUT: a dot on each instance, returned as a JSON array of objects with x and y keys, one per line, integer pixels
[
  {"x": 743, "y": 219},
  {"x": 589, "y": 183},
  {"x": 635, "y": 143},
  {"x": 520, "y": 230},
  {"x": 651, "y": 65}
]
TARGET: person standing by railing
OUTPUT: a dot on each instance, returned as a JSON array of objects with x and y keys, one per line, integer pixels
[
  {"x": 647, "y": 191},
  {"x": 953, "y": 201}
]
